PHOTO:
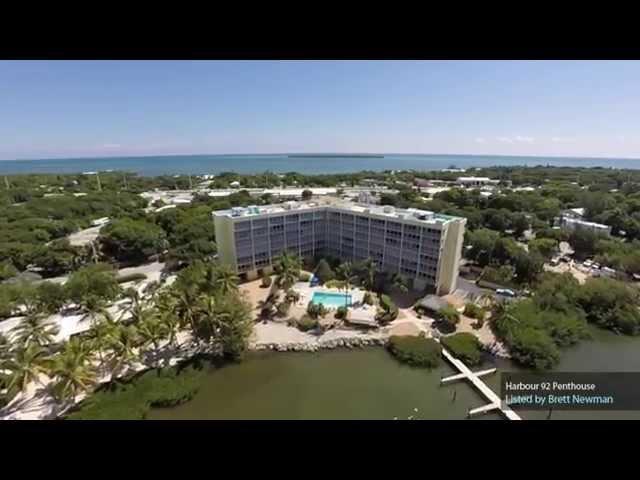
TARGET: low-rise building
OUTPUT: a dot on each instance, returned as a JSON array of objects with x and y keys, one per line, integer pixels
[
  {"x": 572, "y": 223},
  {"x": 476, "y": 181}
]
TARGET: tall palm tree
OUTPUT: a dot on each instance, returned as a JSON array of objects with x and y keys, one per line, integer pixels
[
  {"x": 347, "y": 273},
  {"x": 165, "y": 310},
  {"x": 137, "y": 309},
  {"x": 185, "y": 305},
  {"x": 5, "y": 346},
  {"x": 35, "y": 330},
  {"x": 123, "y": 344},
  {"x": 152, "y": 331},
  {"x": 288, "y": 270},
  {"x": 26, "y": 365},
  {"x": 206, "y": 323},
  {"x": 226, "y": 280},
  {"x": 369, "y": 271},
  {"x": 72, "y": 370},
  {"x": 101, "y": 336}
]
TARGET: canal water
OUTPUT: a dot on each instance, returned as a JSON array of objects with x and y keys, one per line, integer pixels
[{"x": 371, "y": 384}]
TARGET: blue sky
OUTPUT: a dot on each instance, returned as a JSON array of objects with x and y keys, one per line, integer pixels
[{"x": 52, "y": 109}]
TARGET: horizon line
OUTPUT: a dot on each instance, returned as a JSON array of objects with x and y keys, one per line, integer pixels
[{"x": 573, "y": 157}]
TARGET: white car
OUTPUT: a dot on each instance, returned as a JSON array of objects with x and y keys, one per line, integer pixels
[{"x": 506, "y": 292}]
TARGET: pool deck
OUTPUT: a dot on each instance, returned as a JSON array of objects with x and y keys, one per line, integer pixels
[{"x": 357, "y": 310}]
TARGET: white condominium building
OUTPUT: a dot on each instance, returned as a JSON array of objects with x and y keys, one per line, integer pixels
[
  {"x": 423, "y": 246},
  {"x": 573, "y": 223}
]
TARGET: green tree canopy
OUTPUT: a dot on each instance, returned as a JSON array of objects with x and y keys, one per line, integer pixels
[{"x": 132, "y": 240}]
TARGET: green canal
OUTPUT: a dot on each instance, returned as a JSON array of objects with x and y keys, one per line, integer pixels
[{"x": 371, "y": 384}]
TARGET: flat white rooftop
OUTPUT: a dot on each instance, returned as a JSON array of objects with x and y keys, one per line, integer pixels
[
  {"x": 473, "y": 179},
  {"x": 586, "y": 224},
  {"x": 377, "y": 210}
]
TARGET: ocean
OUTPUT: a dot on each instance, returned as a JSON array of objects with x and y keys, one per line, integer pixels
[{"x": 310, "y": 164}]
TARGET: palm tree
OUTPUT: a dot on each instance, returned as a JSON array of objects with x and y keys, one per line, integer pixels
[
  {"x": 346, "y": 272},
  {"x": 165, "y": 310},
  {"x": 369, "y": 271},
  {"x": 288, "y": 270},
  {"x": 101, "y": 336},
  {"x": 184, "y": 301},
  {"x": 72, "y": 370},
  {"x": 4, "y": 348},
  {"x": 152, "y": 331},
  {"x": 26, "y": 365},
  {"x": 95, "y": 308},
  {"x": 137, "y": 308},
  {"x": 206, "y": 322},
  {"x": 33, "y": 329},
  {"x": 123, "y": 343},
  {"x": 226, "y": 280}
]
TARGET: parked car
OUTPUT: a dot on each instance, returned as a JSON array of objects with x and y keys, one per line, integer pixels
[{"x": 506, "y": 292}]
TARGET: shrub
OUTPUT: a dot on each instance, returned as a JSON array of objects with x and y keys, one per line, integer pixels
[
  {"x": 283, "y": 309},
  {"x": 306, "y": 323},
  {"x": 132, "y": 277},
  {"x": 339, "y": 284},
  {"x": 416, "y": 351},
  {"x": 464, "y": 346},
  {"x": 341, "y": 312},
  {"x": 7, "y": 270},
  {"x": 315, "y": 310},
  {"x": 292, "y": 296},
  {"x": 534, "y": 348},
  {"x": 93, "y": 281},
  {"x": 132, "y": 400},
  {"x": 50, "y": 296},
  {"x": 367, "y": 298},
  {"x": 386, "y": 303},
  {"x": 266, "y": 280},
  {"x": 304, "y": 277},
  {"x": 449, "y": 315},
  {"x": 474, "y": 311},
  {"x": 388, "y": 312}
]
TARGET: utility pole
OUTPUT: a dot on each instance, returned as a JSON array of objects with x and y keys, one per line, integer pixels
[
  {"x": 124, "y": 180},
  {"x": 190, "y": 183},
  {"x": 98, "y": 179},
  {"x": 6, "y": 182}
]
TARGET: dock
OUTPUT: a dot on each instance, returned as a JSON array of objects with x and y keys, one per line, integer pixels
[{"x": 465, "y": 373}]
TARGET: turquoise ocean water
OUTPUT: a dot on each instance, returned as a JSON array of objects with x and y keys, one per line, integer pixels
[{"x": 211, "y": 164}]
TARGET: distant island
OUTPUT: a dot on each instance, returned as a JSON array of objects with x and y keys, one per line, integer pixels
[{"x": 335, "y": 155}]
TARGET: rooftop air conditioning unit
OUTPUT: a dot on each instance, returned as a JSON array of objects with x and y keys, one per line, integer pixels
[
  {"x": 387, "y": 209},
  {"x": 237, "y": 211}
]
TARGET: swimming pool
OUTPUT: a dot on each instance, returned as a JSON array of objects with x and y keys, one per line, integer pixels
[{"x": 331, "y": 299}]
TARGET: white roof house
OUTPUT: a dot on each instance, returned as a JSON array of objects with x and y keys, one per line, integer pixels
[{"x": 475, "y": 181}]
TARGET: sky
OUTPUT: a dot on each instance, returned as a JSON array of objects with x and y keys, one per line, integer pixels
[{"x": 62, "y": 109}]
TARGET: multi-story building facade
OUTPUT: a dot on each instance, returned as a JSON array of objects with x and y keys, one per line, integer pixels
[
  {"x": 423, "y": 246},
  {"x": 573, "y": 223}
]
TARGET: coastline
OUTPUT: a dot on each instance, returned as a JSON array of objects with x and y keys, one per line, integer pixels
[{"x": 155, "y": 165}]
